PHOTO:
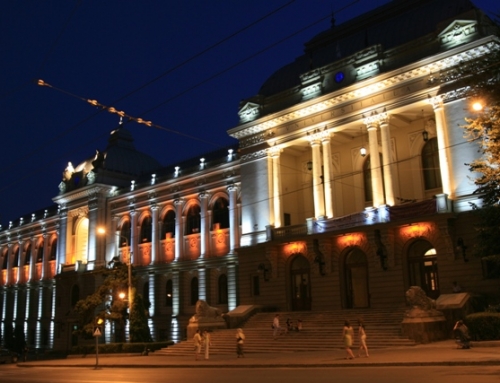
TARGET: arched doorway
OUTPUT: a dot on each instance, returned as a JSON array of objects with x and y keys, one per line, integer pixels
[
  {"x": 356, "y": 279},
  {"x": 301, "y": 288},
  {"x": 422, "y": 268}
]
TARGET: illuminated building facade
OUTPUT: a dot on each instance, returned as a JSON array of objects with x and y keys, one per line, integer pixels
[{"x": 348, "y": 187}]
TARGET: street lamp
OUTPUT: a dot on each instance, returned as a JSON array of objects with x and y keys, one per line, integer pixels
[{"x": 102, "y": 231}]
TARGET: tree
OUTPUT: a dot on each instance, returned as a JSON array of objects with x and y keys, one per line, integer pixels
[
  {"x": 106, "y": 303},
  {"x": 482, "y": 84}
]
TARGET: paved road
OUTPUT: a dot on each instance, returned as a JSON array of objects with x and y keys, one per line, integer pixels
[{"x": 353, "y": 374}]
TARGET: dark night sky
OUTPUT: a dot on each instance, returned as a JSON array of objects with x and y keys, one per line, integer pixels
[{"x": 108, "y": 50}]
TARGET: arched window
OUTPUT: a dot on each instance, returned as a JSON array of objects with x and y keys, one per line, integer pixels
[
  {"x": 4, "y": 263},
  {"x": 169, "y": 293},
  {"x": 125, "y": 234},
  {"x": 193, "y": 220},
  {"x": 16, "y": 257},
  {"x": 39, "y": 252},
  {"x": 222, "y": 289},
  {"x": 146, "y": 229},
  {"x": 168, "y": 224},
  {"x": 430, "y": 165},
  {"x": 82, "y": 241},
  {"x": 53, "y": 250},
  {"x": 75, "y": 295},
  {"x": 220, "y": 214},
  {"x": 27, "y": 258},
  {"x": 194, "y": 291}
]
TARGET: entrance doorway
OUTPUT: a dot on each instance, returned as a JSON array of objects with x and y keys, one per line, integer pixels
[
  {"x": 301, "y": 288},
  {"x": 423, "y": 269},
  {"x": 356, "y": 278}
]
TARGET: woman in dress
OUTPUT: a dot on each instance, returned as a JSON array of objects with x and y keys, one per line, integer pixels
[
  {"x": 348, "y": 333},
  {"x": 240, "y": 339},
  {"x": 207, "y": 343},
  {"x": 362, "y": 338},
  {"x": 197, "y": 344}
]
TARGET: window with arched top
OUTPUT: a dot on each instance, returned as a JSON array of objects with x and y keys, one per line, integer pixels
[
  {"x": 146, "y": 229},
  {"x": 222, "y": 289},
  {"x": 17, "y": 255},
  {"x": 169, "y": 293},
  {"x": 39, "y": 252},
  {"x": 82, "y": 241},
  {"x": 27, "y": 258},
  {"x": 168, "y": 224},
  {"x": 193, "y": 219},
  {"x": 53, "y": 250},
  {"x": 125, "y": 233},
  {"x": 220, "y": 214},
  {"x": 5, "y": 258},
  {"x": 194, "y": 291},
  {"x": 430, "y": 165}
]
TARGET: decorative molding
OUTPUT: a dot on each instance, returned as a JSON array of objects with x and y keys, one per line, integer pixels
[{"x": 254, "y": 156}]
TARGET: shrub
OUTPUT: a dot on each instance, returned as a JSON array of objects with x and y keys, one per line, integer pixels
[{"x": 484, "y": 326}]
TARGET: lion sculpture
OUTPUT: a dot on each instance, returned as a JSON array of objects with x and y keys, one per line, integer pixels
[
  {"x": 204, "y": 312},
  {"x": 417, "y": 298}
]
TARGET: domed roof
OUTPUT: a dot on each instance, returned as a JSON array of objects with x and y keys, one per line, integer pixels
[{"x": 390, "y": 25}]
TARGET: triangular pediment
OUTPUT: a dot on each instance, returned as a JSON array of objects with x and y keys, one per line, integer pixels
[
  {"x": 249, "y": 112},
  {"x": 458, "y": 32}
]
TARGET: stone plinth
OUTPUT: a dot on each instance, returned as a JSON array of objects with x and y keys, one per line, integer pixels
[{"x": 424, "y": 326}]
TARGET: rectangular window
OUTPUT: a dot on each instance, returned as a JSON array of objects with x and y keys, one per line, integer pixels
[
  {"x": 287, "y": 219},
  {"x": 255, "y": 285}
]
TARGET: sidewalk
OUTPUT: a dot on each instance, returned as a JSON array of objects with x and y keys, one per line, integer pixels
[{"x": 434, "y": 354}]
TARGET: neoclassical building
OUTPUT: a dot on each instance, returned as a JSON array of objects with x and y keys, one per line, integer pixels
[{"x": 349, "y": 185}]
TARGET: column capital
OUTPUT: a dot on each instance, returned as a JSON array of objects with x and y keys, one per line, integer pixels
[
  {"x": 179, "y": 201},
  {"x": 318, "y": 135},
  {"x": 274, "y": 151},
  {"x": 203, "y": 195},
  {"x": 232, "y": 188},
  {"x": 436, "y": 101},
  {"x": 375, "y": 119}
]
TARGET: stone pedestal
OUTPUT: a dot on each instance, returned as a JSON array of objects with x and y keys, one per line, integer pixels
[{"x": 424, "y": 326}]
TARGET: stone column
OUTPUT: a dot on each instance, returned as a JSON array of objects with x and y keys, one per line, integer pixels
[
  {"x": 33, "y": 255},
  {"x": 275, "y": 156},
  {"x": 233, "y": 218},
  {"x": 204, "y": 222},
  {"x": 318, "y": 196},
  {"x": 154, "y": 233},
  {"x": 231, "y": 287},
  {"x": 443, "y": 145},
  {"x": 179, "y": 232},
  {"x": 327, "y": 173},
  {"x": 175, "y": 294},
  {"x": 46, "y": 257},
  {"x": 387, "y": 158},
  {"x": 10, "y": 260},
  {"x": 92, "y": 239},
  {"x": 61, "y": 239},
  {"x": 376, "y": 171},
  {"x": 202, "y": 284},
  {"x": 133, "y": 236}
]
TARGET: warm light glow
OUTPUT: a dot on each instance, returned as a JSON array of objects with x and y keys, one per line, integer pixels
[
  {"x": 477, "y": 106},
  {"x": 348, "y": 240},
  {"x": 416, "y": 230},
  {"x": 295, "y": 248},
  {"x": 122, "y": 295},
  {"x": 362, "y": 151},
  {"x": 101, "y": 230}
]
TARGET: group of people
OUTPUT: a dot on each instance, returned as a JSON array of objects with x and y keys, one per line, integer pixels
[
  {"x": 203, "y": 340},
  {"x": 348, "y": 335},
  {"x": 278, "y": 330}
]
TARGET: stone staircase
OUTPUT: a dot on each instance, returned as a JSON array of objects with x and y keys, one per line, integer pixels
[{"x": 321, "y": 331}]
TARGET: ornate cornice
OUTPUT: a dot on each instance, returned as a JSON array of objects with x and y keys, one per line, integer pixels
[{"x": 252, "y": 132}]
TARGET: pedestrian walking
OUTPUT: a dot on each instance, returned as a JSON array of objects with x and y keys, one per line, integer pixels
[
  {"x": 240, "y": 340},
  {"x": 197, "y": 341},
  {"x": 206, "y": 343},
  {"x": 362, "y": 338},
  {"x": 276, "y": 326},
  {"x": 347, "y": 334}
]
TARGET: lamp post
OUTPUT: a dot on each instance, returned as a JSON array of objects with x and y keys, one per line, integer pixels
[{"x": 102, "y": 231}]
